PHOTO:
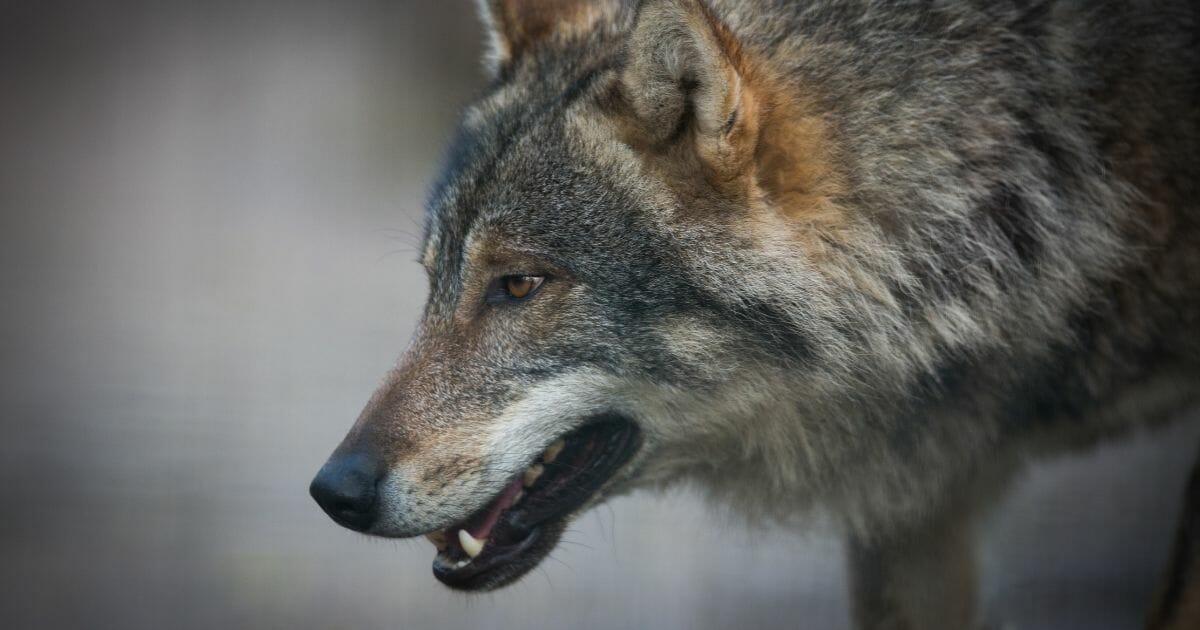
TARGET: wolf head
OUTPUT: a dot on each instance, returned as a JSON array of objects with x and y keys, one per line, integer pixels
[{"x": 614, "y": 294}]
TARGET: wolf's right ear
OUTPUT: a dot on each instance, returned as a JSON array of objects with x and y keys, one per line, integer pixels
[
  {"x": 686, "y": 80},
  {"x": 516, "y": 27}
]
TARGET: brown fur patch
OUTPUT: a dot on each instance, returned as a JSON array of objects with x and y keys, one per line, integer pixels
[
  {"x": 795, "y": 168},
  {"x": 793, "y": 161},
  {"x": 776, "y": 156}
]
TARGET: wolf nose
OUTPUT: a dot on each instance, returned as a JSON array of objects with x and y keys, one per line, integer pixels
[{"x": 345, "y": 489}]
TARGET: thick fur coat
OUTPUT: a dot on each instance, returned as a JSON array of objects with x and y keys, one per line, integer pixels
[{"x": 855, "y": 255}]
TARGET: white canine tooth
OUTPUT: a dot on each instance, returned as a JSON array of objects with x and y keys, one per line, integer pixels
[
  {"x": 553, "y": 450},
  {"x": 438, "y": 539},
  {"x": 532, "y": 473},
  {"x": 469, "y": 544},
  {"x": 520, "y": 495}
]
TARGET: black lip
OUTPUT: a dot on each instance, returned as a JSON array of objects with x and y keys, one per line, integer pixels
[
  {"x": 528, "y": 531},
  {"x": 501, "y": 566}
]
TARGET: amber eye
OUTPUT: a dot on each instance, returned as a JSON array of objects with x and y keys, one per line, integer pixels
[{"x": 521, "y": 287}]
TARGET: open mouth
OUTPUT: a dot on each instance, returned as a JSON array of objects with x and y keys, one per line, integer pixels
[{"x": 510, "y": 535}]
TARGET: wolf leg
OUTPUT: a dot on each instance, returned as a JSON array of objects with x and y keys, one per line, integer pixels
[
  {"x": 924, "y": 579},
  {"x": 1177, "y": 606}
]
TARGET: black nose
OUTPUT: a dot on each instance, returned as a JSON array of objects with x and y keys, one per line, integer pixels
[{"x": 345, "y": 489}]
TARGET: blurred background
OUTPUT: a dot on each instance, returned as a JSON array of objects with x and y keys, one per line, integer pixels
[{"x": 209, "y": 215}]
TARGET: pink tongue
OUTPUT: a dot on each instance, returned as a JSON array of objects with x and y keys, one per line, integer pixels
[{"x": 503, "y": 502}]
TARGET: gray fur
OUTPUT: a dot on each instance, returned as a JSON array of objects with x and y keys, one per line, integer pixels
[{"x": 1017, "y": 271}]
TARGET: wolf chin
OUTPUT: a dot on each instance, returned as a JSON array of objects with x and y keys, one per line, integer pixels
[{"x": 862, "y": 256}]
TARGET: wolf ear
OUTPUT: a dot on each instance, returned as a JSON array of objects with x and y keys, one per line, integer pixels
[
  {"x": 686, "y": 80},
  {"x": 517, "y": 26}
]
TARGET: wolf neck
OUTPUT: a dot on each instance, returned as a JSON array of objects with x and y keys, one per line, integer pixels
[{"x": 922, "y": 230}]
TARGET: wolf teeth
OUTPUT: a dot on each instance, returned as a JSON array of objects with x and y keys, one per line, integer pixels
[
  {"x": 469, "y": 544},
  {"x": 553, "y": 450},
  {"x": 532, "y": 473}
]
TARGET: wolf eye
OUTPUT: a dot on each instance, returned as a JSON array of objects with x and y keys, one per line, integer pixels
[
  {"x": 521, "y": 287},
  {"x": 514, "y": 288}
]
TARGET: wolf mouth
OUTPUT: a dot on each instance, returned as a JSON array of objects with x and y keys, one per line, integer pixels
[{"x": 511, "y": 534}]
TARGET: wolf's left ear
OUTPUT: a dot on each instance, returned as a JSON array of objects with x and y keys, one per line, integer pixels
[
  {"x": 686, "y": 80},
  {"x": 518, "y": 26}
]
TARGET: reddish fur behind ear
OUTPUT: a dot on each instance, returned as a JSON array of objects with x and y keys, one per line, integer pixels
[
  {"x": 750, "y": 132},
  {"x": 685, "y": 74}
]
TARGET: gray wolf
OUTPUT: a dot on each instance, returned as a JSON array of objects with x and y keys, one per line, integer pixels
[{"x": 862, "y": 256}]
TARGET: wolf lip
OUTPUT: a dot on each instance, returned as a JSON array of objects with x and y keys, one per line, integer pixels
[{"x": 510, "y": 535}]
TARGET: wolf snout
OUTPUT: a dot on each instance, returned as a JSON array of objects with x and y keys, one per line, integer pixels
[{"x": 345, "y": 488}]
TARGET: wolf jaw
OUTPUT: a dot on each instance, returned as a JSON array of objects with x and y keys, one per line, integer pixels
[{"x": 510, "y": 535}]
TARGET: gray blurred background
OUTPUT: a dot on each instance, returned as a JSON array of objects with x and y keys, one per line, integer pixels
[{"x": 209, "y": 219}]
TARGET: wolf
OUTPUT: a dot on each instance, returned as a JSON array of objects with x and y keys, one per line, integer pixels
[{"x": 855, "y": 257}]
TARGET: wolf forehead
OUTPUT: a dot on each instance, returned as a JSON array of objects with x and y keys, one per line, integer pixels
[
  {"x": 537, "y": 164},
  {"x": 527, "y": 155}
]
